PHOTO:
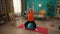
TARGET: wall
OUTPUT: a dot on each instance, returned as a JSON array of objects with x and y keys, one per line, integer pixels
[{"x": 44, "y": 6}]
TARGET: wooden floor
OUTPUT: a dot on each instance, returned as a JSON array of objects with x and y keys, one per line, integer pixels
[{"x": 8, "y": 29}]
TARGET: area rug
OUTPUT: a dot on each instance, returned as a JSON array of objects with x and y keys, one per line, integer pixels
[{"x": 38, "y": 29}]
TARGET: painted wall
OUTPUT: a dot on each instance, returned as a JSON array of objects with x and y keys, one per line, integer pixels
[{"x": 44, "y": 6}]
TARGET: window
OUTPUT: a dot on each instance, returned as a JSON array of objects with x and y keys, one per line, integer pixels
[{"x": 17, "y": 6}]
